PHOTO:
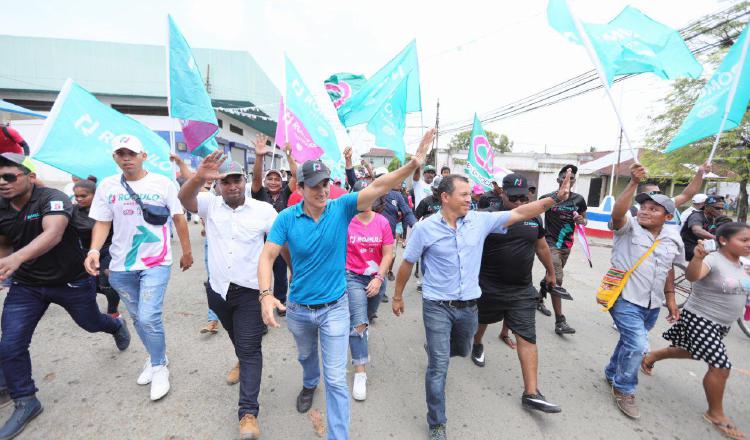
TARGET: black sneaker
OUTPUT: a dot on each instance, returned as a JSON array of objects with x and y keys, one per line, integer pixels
[
  {"x": 281, "y": 313},
  {"x": 384, "y": 298},
  {"x": 477, "y": 354},
  {"x": 539, "y": 403},
  {"x": 562, "y": 327},
  {"x": 265, "y": 330},
  {"x": 543, "y": 309},
  {"x": 305, "y": 399},
  {"x": 390, "y": 276},
  {"x": 122, "y": 336},
  {"x": 27, "y": 408},
  {"x": 419, "y": 287},
  {"x": 5, "y": 399},
  {"x": 437, "y": 432}
]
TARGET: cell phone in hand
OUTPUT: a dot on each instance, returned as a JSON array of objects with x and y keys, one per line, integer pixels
[{"x": 710, "y": 246}]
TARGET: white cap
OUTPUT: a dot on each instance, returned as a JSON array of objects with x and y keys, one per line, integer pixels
[
  {"x": 699, "y": 198},
  {"x": 127, "y": 141},
  {"x": 379, "y": 171}
]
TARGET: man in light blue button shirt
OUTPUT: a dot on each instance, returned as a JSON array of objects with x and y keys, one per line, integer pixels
[{"x": 450, "y": 246}]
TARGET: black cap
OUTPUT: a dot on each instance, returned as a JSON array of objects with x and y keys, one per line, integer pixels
[
  {"x": 515, "y": 185},
  {"x": 565, "y": 168},
  {"x": 313, "y": 172}
]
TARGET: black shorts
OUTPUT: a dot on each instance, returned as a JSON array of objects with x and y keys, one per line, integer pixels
[{"x": 518, "y": 309}]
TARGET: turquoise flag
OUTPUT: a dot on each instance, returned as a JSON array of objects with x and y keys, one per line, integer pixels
[
  {"x": 716, "y": 109},
  {"x": 78, "y": 133},
  {"x": 480, "y": 161},
  {"x": 372, "y": 95},
  {"x": 188, "y": 100},
  {"x": 341, "y": 86},
  {"x": 388, "y": 124},
  {"x": 303, "y": 104},
  {"x": 630, "y": 43}
]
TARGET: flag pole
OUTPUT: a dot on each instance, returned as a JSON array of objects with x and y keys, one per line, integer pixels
[
  {"x": 169, "y": 98},
  {"x": 600, "y": 70},
  {"x": 730, "y": 98}
]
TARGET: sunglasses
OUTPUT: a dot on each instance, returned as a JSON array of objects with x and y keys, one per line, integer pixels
[
  {"x": 11, "y": 177},
  {"x": 514, "y": 199},
  {"x": 655, "y": 192}
]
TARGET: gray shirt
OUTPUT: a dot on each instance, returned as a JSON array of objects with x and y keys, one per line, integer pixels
[
  {"x": 721, "y": 295},
  {"x": 646, "y": 284}
]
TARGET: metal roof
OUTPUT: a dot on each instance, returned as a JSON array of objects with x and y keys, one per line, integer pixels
[{"x": 43, "y": 64}]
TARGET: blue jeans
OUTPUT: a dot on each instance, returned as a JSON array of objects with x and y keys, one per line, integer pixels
[
  {"x": 143, "y": 291},
  {"x": 25, "y": 306},
  {"x": 360, "y": 309},
  {"x": 633, "y": 322},
  {"x": 449, "y": 332},
  {"x": 332, "y": 324}
]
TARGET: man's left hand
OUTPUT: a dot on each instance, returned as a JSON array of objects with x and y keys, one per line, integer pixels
[
  {"x": 8, "y": 266},
  {"x": 674, "y": 312},
  {"x": 550, "y": 280},
  {"x": 186, "y": 261}
]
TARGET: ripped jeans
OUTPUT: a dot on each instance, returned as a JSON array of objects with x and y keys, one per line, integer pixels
[
  {"x": 143, "y": 291},
  {"x": 360, "y": 309}
]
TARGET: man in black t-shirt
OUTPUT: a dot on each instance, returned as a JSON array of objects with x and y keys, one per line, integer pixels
[
  {"x": 430, "y": 204},
  {"x": 271, "y": 189},
  {"x": 491, "y": 199},
  {"x": 508, "y": 292},
  {"x": 560, "y": 223},
  {"x": 701, "y": 224},
  {"x": 42, "y": 255}
]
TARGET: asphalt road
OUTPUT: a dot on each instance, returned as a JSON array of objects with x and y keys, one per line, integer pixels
[{"x": 89, "y": 391}]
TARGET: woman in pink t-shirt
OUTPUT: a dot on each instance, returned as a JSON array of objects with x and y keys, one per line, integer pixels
[{"x": 369, "y": 252}]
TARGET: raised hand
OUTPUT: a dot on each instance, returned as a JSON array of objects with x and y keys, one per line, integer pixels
[
  {"x": 637, "y": 172},
  {"x": 424, "y": 147},
  {"x": 348, "y": 153},
  {"x": 564, "y": 192},
  {"x": 260, "y": 144},
  {"x": 705, "y": 168},
  {"x": 209, "y": 167}
]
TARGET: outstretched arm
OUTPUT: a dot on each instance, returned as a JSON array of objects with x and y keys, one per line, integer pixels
[
  {"x": 260, "y": 152},
  {"x": 533, "y": 209},
  {"x": 208, "y": 170},
  {"x": 623, "y": 202},
  {"x": 292, "y": 167},
  {"x": 693, "y": 187},
  {"x": 385, "y": 183}
]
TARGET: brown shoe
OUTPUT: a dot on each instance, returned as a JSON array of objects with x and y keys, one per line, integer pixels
[
  {"x": 249, "y": 427},
  {"x": 211, "y": 327},
  {"x": 233, "y": 377},
  {"x": 626, "y": 403}
]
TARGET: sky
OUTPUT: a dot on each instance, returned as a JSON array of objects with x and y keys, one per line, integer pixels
[{"x": 474, "y": 55}]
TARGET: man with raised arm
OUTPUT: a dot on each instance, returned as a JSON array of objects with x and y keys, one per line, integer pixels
[
  {"x": 317, "y": 308},
  {"x": 450, "y": 245}
]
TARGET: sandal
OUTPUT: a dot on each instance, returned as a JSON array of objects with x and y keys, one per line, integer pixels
[
  {"x": 729, "y": 430},
  {"x": 647, "y": 369},
  {"x": 508, "y": 341}
]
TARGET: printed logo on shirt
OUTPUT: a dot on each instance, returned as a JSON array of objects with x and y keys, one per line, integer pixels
[
  {"x": 33, "y": 216},
  {"x": 56, "y": 205},
  {"x": 114, "y": 198}
]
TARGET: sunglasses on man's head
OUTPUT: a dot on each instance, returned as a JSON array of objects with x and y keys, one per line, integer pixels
[
  {"x": 515, "y": 199},
  {"x": 11, "y": 177}
]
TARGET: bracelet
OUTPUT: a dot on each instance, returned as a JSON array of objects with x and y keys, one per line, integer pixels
[
  {"x": 264, "y": 294},
  {"x": 669, "y": 291},
  {"x": 379, "y": 277},
  {"x": 555, "y": 198},
  {"x": 93, "y": 250}
]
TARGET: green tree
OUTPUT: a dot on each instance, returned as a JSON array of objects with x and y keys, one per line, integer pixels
[
  {"x": 499, "y": 142},
  {"x": 733, "y": 151},
  {"x": 396, "y": 164}
]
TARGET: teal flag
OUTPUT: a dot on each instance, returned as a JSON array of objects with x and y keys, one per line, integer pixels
[
  {"x": 718, "y": 108},
  {"x": 341, "y": 86},
  {"x": 188, "y": 100},
  {"x": 304, "y": 106},
  {"x": 480, "y": 161},
  {"x": 630, "y": 43},
  {"x": 373, "y": 94},
  {"x": 78, "y": 134},
  {"x": 388, "y": 124}
]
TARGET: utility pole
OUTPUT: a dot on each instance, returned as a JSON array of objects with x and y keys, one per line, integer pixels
[
  {"x": 208, "y": 79},
  {"x": 437, "y": 132}
]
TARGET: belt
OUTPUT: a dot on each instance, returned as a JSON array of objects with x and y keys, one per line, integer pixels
[
  {"x": 235, "y": 287},
  {"x": 459, "y": 304},
  {"x": 320, "y": 306}
]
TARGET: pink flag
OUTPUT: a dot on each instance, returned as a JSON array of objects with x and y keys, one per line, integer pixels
[
  {"x": 581, "y": 232},
  {"x": 289, "y": 129}
]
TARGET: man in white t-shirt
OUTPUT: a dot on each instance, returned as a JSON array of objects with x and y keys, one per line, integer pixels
[
  {"x": 141, "y": 251},
  {"x": 235, "y": 229},
  {"x": 422, "y": 188},
  {"x": 699, "y": 201}
]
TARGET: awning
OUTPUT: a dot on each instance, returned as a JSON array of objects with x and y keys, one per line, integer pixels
[{"x": 10, "y": 111}]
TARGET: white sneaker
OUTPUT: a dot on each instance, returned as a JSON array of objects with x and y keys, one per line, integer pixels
[
  {"x": 145, "y": 377},
  {"x": 359, "y": 390},
  {"x": 159, "y": 382}
]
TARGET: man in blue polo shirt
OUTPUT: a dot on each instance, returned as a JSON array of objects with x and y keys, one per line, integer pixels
[
  {"x": 317, "y": 306},
  {"x": 450, "y": 245}
]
